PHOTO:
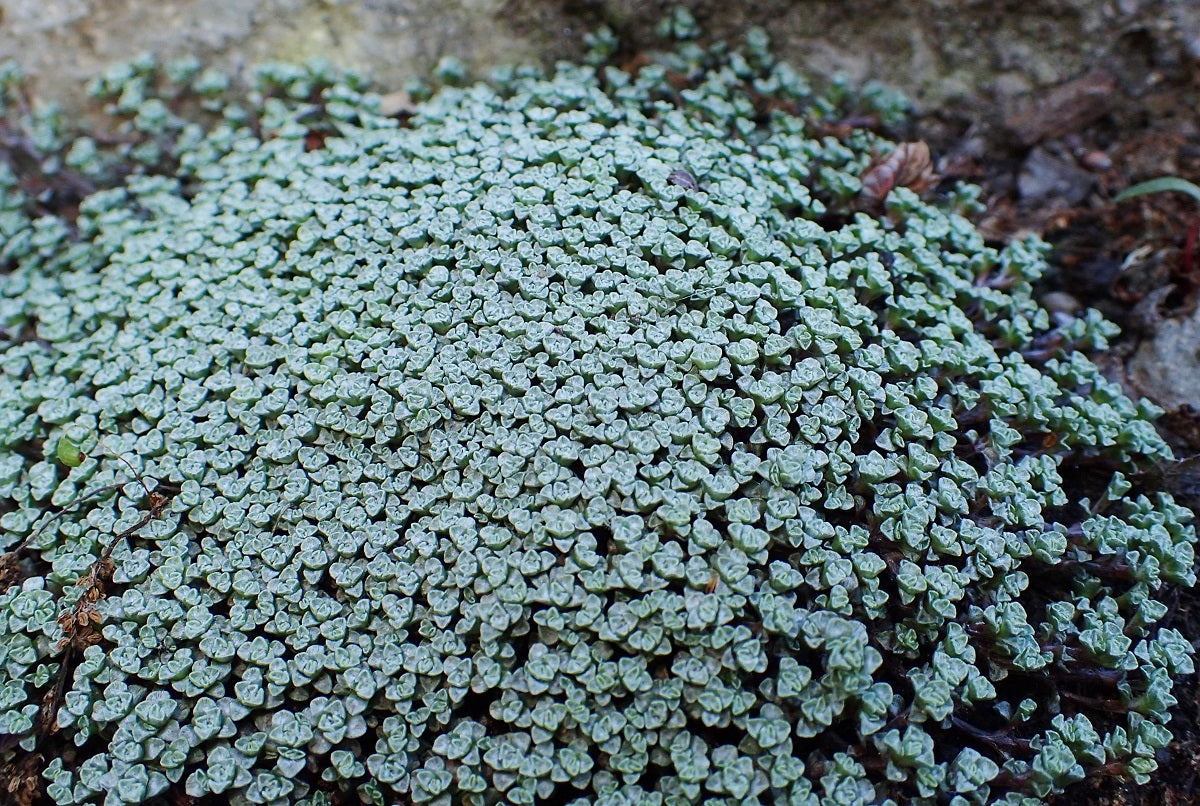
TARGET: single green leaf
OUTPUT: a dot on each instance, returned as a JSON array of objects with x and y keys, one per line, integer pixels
[
  {"x": 1163, "y": 183},
  {"x": 68, "y": 453}
]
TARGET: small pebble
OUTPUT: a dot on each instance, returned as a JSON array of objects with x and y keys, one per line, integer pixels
[
  {"x": 1060, "y": 302},
  {"x": 396, "y": 103},
  {"x": 1095, "y": 160}
]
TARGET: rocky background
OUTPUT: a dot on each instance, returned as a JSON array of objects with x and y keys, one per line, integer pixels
[{"x": 983, "y": 58}]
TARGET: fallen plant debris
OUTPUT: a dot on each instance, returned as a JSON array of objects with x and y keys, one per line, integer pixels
[
  {"x": 908, "y": 165},
  {"x": 1189, "y": 270}
]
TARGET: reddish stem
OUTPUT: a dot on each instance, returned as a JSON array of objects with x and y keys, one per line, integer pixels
[{"x": 1188, "y": 267}]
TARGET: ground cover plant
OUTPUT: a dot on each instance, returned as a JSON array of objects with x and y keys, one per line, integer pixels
[{"x": 577, "y": 438}]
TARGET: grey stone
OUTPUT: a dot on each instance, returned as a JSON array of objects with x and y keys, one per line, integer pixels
[
  {"x": 1047, "y": 178},
  {"x": 976, "y": 56},
  {"x": 1166, "y": 367}
]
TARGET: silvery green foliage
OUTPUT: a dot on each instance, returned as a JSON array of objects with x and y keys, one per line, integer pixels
[{"x": 575, "y": 441}]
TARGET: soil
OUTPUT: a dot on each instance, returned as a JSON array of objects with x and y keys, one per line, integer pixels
[{"x": 1138, "y": 262}]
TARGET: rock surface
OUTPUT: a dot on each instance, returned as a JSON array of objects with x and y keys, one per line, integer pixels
[
  {"x": 1166, "y": 368},
  {"x": 63, "y": 43},
  {"x": 951, "y": 55}
]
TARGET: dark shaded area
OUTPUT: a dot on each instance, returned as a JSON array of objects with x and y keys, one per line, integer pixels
[{"x": 1136, "y": 262}]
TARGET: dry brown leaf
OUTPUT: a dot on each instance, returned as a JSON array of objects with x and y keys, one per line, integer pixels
[
  {"x": 21, "y": 780},
  {"x": 908, "y": 165},
  {"x": 10, "y": 571}
]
